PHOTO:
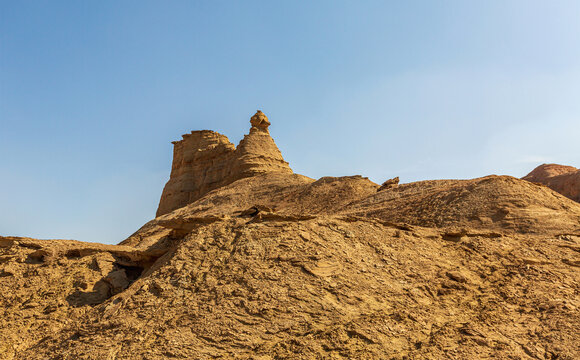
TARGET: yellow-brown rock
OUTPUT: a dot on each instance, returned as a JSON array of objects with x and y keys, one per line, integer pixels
[
  {"x": 560, "y": 178},
  {"x": 206, "y": 160},
  {"x": 262, "y": 263},
  {"x": 260, "y": 121}
]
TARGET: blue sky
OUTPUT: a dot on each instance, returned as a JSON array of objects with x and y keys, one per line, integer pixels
[{"x": 92, "y": 93}]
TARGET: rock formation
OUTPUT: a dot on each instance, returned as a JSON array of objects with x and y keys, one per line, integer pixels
[
  {"x": 560, "y": 178},
  {"x": 257, "y": 262},
  {"x": 206, "y": 160},
  {"x": 391, "y": 183}
]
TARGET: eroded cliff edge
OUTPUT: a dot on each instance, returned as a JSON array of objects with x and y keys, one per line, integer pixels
[{"x": 206, "y": 160}]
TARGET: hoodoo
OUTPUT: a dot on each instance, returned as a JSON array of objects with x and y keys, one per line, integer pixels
[{"x": 206, "y": 160}]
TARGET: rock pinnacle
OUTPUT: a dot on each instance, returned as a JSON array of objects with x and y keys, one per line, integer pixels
[{"x": 259, "y": 121}]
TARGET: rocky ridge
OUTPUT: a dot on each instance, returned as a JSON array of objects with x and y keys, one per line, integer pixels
[{"x": 276, "y": 265}]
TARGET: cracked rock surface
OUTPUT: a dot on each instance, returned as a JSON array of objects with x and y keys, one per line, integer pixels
[{"x": 275, "y": 265}]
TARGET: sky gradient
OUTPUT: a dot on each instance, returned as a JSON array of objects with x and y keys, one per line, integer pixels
[{"x": 93, "y": 92}]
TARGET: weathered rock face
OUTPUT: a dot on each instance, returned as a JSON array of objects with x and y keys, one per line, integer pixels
[
  {"x": 276, "y": 265},
  {"x": 201, "y": 162},
  {"x": 257, "y": 154},
  {"x": 206, "y": 160},
  {"x": 560, "y": 178}
]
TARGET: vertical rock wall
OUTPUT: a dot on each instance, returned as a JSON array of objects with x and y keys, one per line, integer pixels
[{"x": 206, "y": 160}]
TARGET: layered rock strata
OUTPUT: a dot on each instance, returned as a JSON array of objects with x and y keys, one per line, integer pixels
[
  {"x": 560, "y": 178},
  {"x": 206, "y": 160}
]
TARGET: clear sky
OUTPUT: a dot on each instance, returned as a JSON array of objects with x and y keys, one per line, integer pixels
[{"x": 92, "y": 93}]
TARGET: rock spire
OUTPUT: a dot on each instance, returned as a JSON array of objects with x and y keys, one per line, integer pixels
[{"x": 206, "y": 160}]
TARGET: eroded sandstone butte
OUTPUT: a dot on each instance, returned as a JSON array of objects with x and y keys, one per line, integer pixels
[
  {"x": 560, "y": 178},
  {"x": 276, "y": 265},
  {"x": 206, "y": 160}
]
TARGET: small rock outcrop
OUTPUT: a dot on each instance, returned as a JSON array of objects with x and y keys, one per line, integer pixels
[
  {"x": 560, "y": 178},
  {"x": 391, "y": 183},
  {"x": 206, "y": 160}
]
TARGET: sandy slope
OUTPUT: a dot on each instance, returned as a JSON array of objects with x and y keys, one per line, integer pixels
[{"x": 483, "y": 268}]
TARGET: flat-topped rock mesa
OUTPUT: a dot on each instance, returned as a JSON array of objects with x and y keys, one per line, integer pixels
[
  {"x": 206, "y": 160},
  {"x": 560, "y": 178}
]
